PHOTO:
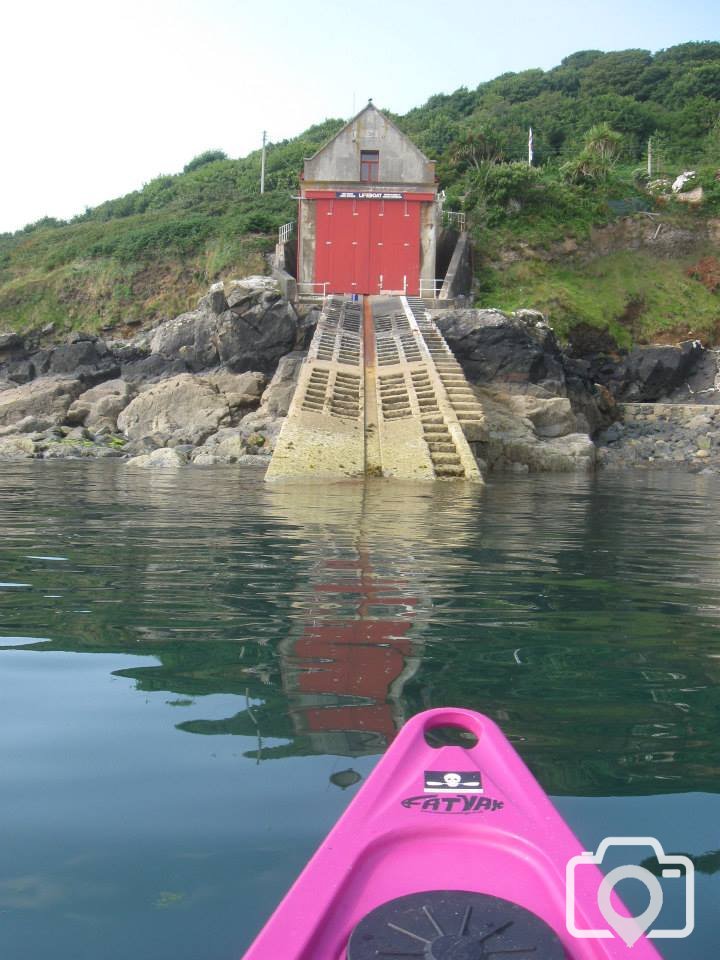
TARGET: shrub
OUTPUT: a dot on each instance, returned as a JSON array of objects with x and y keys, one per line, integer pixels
[{"x": 209, "y": 156}]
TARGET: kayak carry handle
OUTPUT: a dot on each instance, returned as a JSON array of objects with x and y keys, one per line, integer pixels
[{"x": 448, "y": 727}]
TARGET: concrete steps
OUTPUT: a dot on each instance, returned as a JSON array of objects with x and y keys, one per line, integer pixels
[{"x": 380, "y": 394}]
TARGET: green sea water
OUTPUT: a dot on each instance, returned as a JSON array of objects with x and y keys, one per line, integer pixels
[{"x": 198, "y": 670}]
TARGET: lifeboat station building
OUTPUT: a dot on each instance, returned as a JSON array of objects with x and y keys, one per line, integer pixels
[{"x": 368, "y": 214}]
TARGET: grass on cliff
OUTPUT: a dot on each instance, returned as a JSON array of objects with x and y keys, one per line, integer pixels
[
  {"x": 145, "y": 266},
  {"x": 633, "y": 296}
]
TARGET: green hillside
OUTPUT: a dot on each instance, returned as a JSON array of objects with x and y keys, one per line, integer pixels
[{"x": 148, "y": 254}]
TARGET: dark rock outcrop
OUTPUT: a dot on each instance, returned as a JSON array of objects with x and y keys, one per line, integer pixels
[
  {"x": 519, "y": 351},
  {"x": 257, "y": 337},
  {"x": 496, "y": 347},
  {"x": 648, "y": 374},
  {"x": 86, "y": 359},
  {"x": 254, "y": 328},
  {"x": 11, "y": 342},
  {"x": 152, "y": 368}
]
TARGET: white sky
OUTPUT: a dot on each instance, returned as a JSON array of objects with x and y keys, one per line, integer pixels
[{"x": 100, "y": 97}]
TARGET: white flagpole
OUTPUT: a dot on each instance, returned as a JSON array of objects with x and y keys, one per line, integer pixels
[{"x": 530, "y": 146}]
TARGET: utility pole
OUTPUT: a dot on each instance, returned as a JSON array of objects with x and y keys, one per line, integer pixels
[
  {"x": 650, "y": 157},
  {"x": 530, "y": 147},
  {"x": 262, "y": 164}
]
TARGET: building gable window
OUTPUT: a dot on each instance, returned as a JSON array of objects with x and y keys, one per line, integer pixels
[{"x": 369, "y": 166}]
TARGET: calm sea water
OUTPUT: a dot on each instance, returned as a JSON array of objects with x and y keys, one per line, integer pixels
[{"x": 197, "y": 670}]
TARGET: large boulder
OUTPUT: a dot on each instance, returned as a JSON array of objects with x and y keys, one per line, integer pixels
[
  {"x": 494, "y": 347},
  {"x": 19, "y": 370},
  {"x": 524, "y": 434},
  {"x": 11, "y": 342},
  {"x": 277, "y": 397},
  {"x": 550, "y": 416},
  {"x": 184, "y": 409},
  {"x": 16, "y": 448},
  {"x": 47, "y": 399},
  {"x": 190, "y": 337},
  {"x": 28, "y": 425},
  {"x": 240, "y": 390},
  {"x": 100, "y": 406},
  {"x": 256, "y": 332},
  {"x": 225, "y": 446},
  {"x": 246, "y": 326},
  {"x": 214, "y": 300},
  {"x": 86, "y": 359},
  {"x": 652, "y": 373},
  {"x": 163, "y": 459}
]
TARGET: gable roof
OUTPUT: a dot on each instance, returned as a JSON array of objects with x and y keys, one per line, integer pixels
[{"x": 370, "y": 107}]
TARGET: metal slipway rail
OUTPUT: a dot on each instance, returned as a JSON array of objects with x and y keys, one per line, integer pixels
[{"x": 379, "y": 394}]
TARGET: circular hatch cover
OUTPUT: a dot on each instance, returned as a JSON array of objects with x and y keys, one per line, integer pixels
[{"x": 453, "y": 925}]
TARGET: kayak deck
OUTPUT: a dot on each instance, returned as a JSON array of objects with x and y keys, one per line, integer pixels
[{"x": 469, "y": 819}]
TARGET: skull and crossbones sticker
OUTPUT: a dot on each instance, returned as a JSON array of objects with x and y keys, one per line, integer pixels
[{"x": 453, "y": 781}]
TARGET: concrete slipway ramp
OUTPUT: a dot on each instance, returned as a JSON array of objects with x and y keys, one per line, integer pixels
[{"x": 379, "y": 394}]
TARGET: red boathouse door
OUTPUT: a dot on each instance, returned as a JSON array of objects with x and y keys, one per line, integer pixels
[{"x": 365, "y": 246}]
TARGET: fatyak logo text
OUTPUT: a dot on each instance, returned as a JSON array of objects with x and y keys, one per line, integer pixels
[{"x": 453, "y": 803}]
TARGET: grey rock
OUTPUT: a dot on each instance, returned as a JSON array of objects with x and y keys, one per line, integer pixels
[
  {"x": 152, "y": 368},
  {"x": 46, "y": 398},
  {"x": 136, "y": 448},
  {"x": 20, "y": 371},
  {"x": 240, "y": 294},
  {"x": 226, "y": 446},
  {"x": 259, "y": 336},
  {"x": 214, "y": 300},
  {"x": 277, "y": 397},
  {"x": 162, "y": 459},
  {"x": 550, "y": 416},
  {"x": 185, "y": 408},
  {"x": 127, "y": 350},
  {"x": 307, "y": 322},
  {"x": 268, "y": 419},
  {"x": 240, "y": 390},
  {"x": 80, "y": 336},
  {"x": 99, "y": 407},
  {"x": 513, "y": 444},
  {"x": 650, "y": 373},
  {"x": 28, "y": 424},
  {"x": 77, "y": 433},
  {"x": 518, "y": 351},
  {"x": 88, "y": 360},
  {"x": 11, "y": 342},
  {"x": 17, "y": 448},
  {"x": 190, "y": 337}
]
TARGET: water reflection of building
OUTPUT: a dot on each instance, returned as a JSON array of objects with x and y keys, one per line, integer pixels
[
  {"x": 344, "y": 673},
  {"x": 335, "y": 682},
  {"x": 360, "y": 637}
]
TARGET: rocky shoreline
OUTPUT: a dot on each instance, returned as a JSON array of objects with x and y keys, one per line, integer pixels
[{"x": 213, "y": 386}]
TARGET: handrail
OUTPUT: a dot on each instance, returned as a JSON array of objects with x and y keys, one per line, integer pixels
[
  {"x": 286, "y": 231},
  {"x": 431, "y": 287},
  {"x": 319, "y": 294},
  {"x": 455, "y": 219}
]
